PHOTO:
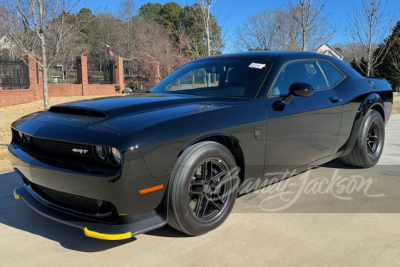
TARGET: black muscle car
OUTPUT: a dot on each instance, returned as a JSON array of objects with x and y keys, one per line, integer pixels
[{"x": 120, "y": 166}]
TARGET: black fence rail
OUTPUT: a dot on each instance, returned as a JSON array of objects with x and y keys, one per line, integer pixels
[
  {"x": 131, "y": 77},
  {"x": 130, "y": 68},
  {"x": 14, "y": 74},
  {"x": 63, "y": 72},
  {"x": 100, "y": 72}
]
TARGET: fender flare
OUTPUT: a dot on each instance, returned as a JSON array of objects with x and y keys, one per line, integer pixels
[
  {"x": 208, "y": 136},
  {"x": 372, "y": 102}
]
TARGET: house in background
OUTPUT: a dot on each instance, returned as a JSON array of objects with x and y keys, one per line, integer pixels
[
  {"x": 6, "y": 48},
  {"x": 330, "y": 51}
]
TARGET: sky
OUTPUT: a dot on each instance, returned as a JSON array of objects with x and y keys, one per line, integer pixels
[{"x": 231, "y": 13}]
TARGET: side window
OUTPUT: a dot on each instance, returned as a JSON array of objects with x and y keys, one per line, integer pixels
[
  {"x": 302, "y": 72},
  {"x": 332, "y": 74},
  {"x": 198, "y": 78}
]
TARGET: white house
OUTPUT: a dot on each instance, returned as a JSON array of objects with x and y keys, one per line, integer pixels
[
  {"x": 330, "y": 51},
  {"x": 6, "y": 47}
]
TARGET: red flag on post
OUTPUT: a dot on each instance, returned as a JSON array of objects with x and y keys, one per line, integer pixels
[{"x": 110, "y": 50}]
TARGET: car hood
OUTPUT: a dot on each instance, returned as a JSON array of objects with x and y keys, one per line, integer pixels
[
  {"x": 131, "y": 105},
  {"x": 122, "y": 115}
]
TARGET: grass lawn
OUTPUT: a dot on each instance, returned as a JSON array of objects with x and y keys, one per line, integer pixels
[
  {"x": 9, "y": 114},
  {"x": 396, "y": 107},
  {"x": 12, "y": 113}
]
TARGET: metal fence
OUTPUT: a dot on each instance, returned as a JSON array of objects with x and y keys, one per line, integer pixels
[
  {"x": 63, "y": 72},
  {"x": 100, "y": 72},
  {"x": 130, "y": 68},
  {"x": 14, "y": 74},
  {"x": 131, "y": 78}
]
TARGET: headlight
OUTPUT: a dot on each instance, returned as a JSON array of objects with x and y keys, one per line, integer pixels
[
  {"x": 20, "y": 135},
  {"x": 116, "y": 155},
  {"x": 101, "y": 153},
  {"x": 27, "y": 138}
]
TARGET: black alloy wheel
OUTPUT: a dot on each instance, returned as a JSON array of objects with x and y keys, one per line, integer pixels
[
  {"x": 203, "y": 188},
  {"x": 373, "y": 139},
  {"x": 207, "y": 189}
]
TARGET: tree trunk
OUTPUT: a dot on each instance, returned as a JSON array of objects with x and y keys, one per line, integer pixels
[
  {"x": 369, "y": 64},
  {"x": 369, "y": 50},
  {"x": 44, "y": 73},
  {"x": 303, "y": 25},
  {"x": 208, "y": 40},
  {"x": 208, "y": 31}
]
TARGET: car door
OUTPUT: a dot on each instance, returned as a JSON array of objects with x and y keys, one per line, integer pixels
[{"x": 306, "y": 129}]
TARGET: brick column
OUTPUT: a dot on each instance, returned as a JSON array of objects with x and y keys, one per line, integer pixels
[
  {"x": 119, "y": 73},
  {"x": 34, "y": 71},
  {"x": 83, "y": 74}
]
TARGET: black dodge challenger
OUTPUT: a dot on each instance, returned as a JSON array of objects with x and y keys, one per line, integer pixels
[{"x": 120, "y": 166}]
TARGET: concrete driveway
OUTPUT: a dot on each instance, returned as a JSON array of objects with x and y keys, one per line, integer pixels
[{"x": 289, "y": 224}]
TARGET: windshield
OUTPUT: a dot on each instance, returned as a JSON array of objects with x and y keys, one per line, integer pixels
[{"x": 217, "y": 77}]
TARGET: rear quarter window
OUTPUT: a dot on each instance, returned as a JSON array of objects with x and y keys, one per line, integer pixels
[{"x": 332, "y": 75}]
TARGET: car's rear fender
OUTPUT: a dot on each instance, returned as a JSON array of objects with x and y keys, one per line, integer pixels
[{"x": 373, "y": 101}]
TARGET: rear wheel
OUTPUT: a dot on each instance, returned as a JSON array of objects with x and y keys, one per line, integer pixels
[
  {"x": 202, "y": 188},
  {"x": 369, "y": 145}
]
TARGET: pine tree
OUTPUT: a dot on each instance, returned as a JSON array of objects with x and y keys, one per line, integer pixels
[{"x": 390, "y": 68}]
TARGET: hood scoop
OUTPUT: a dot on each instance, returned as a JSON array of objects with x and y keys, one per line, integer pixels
[{"x": 78, "y": 111}]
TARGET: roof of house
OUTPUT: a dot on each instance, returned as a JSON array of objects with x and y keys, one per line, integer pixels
[{"x": 332, "y": 51}]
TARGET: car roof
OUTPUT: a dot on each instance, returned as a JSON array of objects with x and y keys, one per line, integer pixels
[
  {"x": 273, "y": 55},
  {"x": 285, "y": 56}
]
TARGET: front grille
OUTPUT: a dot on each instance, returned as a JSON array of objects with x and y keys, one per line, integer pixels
[
  {"x": 63, "y": 147},
  {"x": 63, "y": 154},
  {"x": 75, "y": 202},
  {"x": 93, "y": 208}
]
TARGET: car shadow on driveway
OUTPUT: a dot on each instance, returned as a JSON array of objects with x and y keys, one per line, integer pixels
[
  {"x": 338, "y": 164},
  {"x": 167, "y": 231}
]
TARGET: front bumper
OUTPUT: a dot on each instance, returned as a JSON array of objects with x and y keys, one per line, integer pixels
[
  {"x": 138, "y": 213},
  {"x": 90, "y": 228}
]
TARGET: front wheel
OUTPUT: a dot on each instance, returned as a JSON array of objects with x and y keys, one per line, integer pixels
[
  {"x": 203, "y": 188},
  {"x": 369, "y": 145}
]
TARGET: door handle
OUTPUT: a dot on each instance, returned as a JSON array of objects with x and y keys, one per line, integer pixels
[{"x": 334, "y": 99}]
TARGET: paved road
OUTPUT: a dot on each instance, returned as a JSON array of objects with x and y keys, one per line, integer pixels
[{"x": 320, "y": 228}]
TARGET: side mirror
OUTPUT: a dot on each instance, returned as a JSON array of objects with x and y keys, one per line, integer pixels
[{"x": 298, "y": 89}]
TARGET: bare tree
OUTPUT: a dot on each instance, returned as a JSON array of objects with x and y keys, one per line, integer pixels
[
  {"x": 155, "y": 51},
  {"x": 284, "y": 29},
  {"x": 126, "y": 13},
  {"x": 106, "y": 29},
  {"x": 3, "y": 16},
  {"x": 38, "y": 17},
  {"x": 205, "y": 6},
  {"x": 258, "y": 32},
  {"x": 315, "y": 28},
  {"x": 268, "y": 30},
  {"x": 288, "y": 34},
  {"x": 368, "y": 29}
]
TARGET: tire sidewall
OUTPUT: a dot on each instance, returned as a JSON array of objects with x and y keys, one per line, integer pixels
[
  {"x": 373, "y": 116},
  {"x": 185, "y": 219}
]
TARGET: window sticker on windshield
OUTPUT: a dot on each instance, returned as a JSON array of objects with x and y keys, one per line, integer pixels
[{"x": 257, "y": 66}]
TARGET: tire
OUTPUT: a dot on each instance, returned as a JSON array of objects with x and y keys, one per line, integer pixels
[
  {"x": 369, "y": 145},
  {"x": 194, "y": 193}
]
